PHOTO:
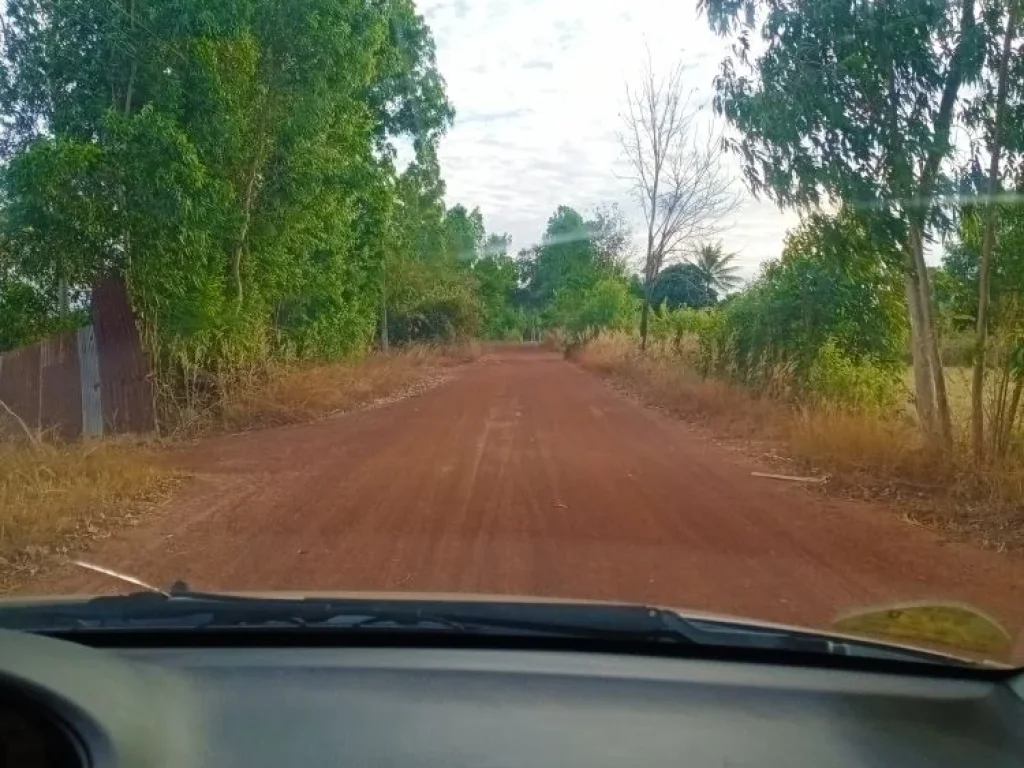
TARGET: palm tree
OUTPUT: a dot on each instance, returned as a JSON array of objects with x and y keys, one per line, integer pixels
[{"x": 717, "y": 271}]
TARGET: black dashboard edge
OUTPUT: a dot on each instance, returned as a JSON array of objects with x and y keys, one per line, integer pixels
[{"x": 249, "y": 637}]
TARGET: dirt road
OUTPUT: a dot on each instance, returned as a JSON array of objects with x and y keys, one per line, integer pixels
[{"x": 526, "y": 475}]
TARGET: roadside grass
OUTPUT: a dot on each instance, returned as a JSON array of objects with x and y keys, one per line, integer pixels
[
  {"x": 290, "y": 395},
  {"x": 865, "y": 454},
  {"x": 958, "y": 390},
  {"x": 55, "y": 497}
]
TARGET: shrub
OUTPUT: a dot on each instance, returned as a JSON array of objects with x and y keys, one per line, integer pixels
[{"x": 833, "y": 377}]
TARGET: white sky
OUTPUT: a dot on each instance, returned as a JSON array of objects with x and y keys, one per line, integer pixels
[{"x": 538, "y": 86}]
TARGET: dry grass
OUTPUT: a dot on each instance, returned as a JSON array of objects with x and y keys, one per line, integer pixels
[
  {"x": 296, "y": 394},
  {"x": 659, "y": 378},
  {"x": 52, "y": 497},
  {"x": 864, "y": 454}
]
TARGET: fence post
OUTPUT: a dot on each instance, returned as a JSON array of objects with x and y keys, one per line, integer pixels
[{"x": 89, "y": 370}]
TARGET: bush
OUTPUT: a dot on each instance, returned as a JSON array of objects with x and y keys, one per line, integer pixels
[
  {"x": 690, "y": 333},
  {"x": 605, "y": 305},
  {"x": 835, "y": 378}
]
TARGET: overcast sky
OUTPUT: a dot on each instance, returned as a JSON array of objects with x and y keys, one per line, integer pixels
[{"x": 538, "y": 89}]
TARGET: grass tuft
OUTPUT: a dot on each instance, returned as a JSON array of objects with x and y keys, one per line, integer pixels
[{"x": 53, "y": 496}]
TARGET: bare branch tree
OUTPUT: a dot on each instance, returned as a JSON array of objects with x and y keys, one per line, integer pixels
[{"x": 676, "y": 172}]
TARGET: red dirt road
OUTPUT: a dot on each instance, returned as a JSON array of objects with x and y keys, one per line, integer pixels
[{"x": 526, "y": 475}]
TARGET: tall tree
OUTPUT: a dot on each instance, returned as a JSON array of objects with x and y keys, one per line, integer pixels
[
  {"x": 677, "y": 176},
  {"x": 682, "y": 285},
  {"x": 564, "y": 259},
  {"x": 716, "y": 268},
  {"x": 465, "y": 232},
  {"x": 995, "y": 148},
  {"x": 855, "y": 102},
  {"x": 611, "y": 236}
]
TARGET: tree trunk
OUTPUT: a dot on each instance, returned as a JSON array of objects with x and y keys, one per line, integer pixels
[
  {"x": 248, "y": 202},
  {"x": 931, "y": 396},
  {"x": 1009, "y": 418},
  {"x": 384, "y": 341},
  {"x": 940, "y": 427},
  {"x": 989, "y": 243},
  {"x": 924, "y": 393},
  {"x": 644, "y": 317}
]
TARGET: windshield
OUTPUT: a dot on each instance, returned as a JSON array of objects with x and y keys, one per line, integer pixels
[{"x": 712, "y": 306}]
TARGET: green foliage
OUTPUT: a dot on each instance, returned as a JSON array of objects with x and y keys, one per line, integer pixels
[
  {"x": 682, "y": 285},
  {"x": 605, "y": 305},
  {"x": 956, "y": 284},
  {"x": 432, "y": 301},
  {"x": 836, "y": 378},
  {"x": 844, "y": 98},
  {"x": 233, "y": 162},
  {"x": 466, "y": 233},
  {"x": 716, "y": 269},
  {"x": 497, "y": 280},
  {"x": 27, "y": 314},
  {"x": 856, "y": 102},
  {"x": 830, "y": 292},
  {"x": 571, "y": 273},
  {"x": 678, "y": 326}
]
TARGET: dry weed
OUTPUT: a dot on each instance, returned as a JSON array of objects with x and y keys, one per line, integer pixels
[
  {"x": 659, "y": 377},
  {"x": 868, "y": 454},
  {"x": 51, "y": 496},
  {"x": 298, "y": 394}
]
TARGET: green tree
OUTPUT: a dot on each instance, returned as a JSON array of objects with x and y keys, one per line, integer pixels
[
  {"x": 575, "y": 253},
  {"x": 682, "y": 285},
  {"x": 997, "y": 100},
  {"x": 856, "y": 101},
  {"x": 497, "y": 279},
  {"x": 234, "y": 162},
  {"x": 828, "y": 288},
  {"x": 717, "y": 269},
  {"x": 465, "y": 232}
]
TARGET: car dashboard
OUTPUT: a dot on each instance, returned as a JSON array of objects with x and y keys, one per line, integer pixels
[{"x": 64, "y": 704}]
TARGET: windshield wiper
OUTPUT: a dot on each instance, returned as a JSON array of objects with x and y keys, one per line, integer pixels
[
  {"x": 180, "y": 607},
  {"x": 184, "y": 608},
  {"x": 636, "y": 625}
]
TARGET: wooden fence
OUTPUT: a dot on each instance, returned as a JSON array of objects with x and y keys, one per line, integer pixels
[{"x": 87, "y": 382}]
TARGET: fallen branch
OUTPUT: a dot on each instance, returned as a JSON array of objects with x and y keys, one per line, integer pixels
[
  {"x": 33, "y": 440},
  {"x": 790, "y": 478}
]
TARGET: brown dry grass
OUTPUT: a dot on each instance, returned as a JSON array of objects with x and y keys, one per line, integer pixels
[
  {"x": 868, "y": 455},
  {"x": 277, "y": 396},
  {"x": 52, "y": 497}
]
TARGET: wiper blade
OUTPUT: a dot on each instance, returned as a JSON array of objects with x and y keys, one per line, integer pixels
[
  {"x": 183, "y": 608},
  {"x": 195, "y": 610},
  {"x": 634, "y": 624}
]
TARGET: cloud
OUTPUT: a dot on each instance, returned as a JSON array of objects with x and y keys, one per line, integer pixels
[
  {"x": 490, "y": 117},
  {"x": 538, "y": 90},
  {"x": 538, "y": 64},
  {"x": 567, "y": 31}
]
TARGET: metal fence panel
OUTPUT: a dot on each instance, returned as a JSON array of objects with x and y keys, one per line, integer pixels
[
  {"x": 60, "y": 393},
  {"x": 19, "y": 383},
  {"x": 89, "y": 381},
  {"x": 89, "y": 367},
  {"x": 126, "y": 389}
]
